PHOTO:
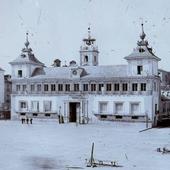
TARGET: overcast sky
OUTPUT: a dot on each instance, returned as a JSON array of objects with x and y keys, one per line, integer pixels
[{"x": 56, "y": 28}]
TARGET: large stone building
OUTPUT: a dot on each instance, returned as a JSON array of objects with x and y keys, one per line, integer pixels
[{"x": 80, "y": 91}]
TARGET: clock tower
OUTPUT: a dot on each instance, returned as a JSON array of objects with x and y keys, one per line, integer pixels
[{"x": 89, "y": 51}]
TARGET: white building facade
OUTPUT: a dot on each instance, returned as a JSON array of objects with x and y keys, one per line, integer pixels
[{"x": 78, "y": 92}]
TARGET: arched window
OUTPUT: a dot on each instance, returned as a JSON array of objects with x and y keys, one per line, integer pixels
[{"x": 86, "y": 58}]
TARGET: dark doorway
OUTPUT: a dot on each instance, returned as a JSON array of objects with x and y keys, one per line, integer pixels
[{"x": 73, "y": 111}]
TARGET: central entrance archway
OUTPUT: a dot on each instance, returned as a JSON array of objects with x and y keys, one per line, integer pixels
[{"x": 74, "y": 110}]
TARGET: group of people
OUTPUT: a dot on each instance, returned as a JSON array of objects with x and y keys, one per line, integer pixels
[{"x": 26, "y": 120}]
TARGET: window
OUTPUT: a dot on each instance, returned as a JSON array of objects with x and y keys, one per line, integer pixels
[
  {"x": 143, "y": 86},
  {"x": 124, "y": 86},
  {"x": 67, "y": 87},
  {"x": 52, "y": 87},
  {"x": 100, "y": 87},
  {"x": 35, "y": 114},
  {"x": 35, "y": 106},
  {"x": 45, "y": 87},
  {"x": 118, "y": 108},
  {"x": 47, "y": 106},
  {"x": 60, "y": 87},
  {"x": 76, "y": 87},
  {"x": 23, "y": 104},
  {"x": 32, "y": 87},
  {"x": 18, "y": 87},
  {"x": 85, "y": 87},
  {"x": 134, "y": 108},
  {"x": 86, "y": 59},
  {"x": 47, "y": 115},
  {"x": 103, "y": 107},
  {"x": 109, "y": 87},
  {"x": 24, "y": 87},
  {"x": 134, "y": 87},
  {"x": 19, "y": 73},
  {"x": 116, "y": 87},
  {"x": 93, "y": 87},
  {"x": 38, "y": 87},
  {"x": 139, "y": 69}
]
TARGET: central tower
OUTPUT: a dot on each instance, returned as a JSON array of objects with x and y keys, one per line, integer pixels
[{"x": 89, "y": 51}]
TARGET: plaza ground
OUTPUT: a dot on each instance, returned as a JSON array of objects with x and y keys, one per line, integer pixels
[{"x": 49, "y": 145}]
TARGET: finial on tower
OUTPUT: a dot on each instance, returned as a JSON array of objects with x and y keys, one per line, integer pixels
[
  {"x": 142, "y": 36},
  {"x": 27, "y": 42},
  {"x": 89, "y": 31}
]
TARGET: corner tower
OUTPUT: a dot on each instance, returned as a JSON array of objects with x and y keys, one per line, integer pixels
[
  {"x": 26, "y": 63},
  {"x": 142, "y": 61},
  {"x": 89, "y": 51}
]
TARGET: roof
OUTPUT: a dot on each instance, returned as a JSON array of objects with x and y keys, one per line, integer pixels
[
  {"x": 89, "y": 72},
  {"x": 145, "y": 54}
]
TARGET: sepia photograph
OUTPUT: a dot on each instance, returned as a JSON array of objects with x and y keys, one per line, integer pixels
[{"x": 84, "y": 84}]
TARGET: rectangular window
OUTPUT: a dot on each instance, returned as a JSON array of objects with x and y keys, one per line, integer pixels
[
  {"x": 32, "y": 87},
  {"x": 116, "y": 87},
  {"x": 45, "y": 87},
  {"x": 124, "y": 86},
  {"x": 23, "y": 104},
  {"x": 109, "y": 87},
  {"x": 134, "y": 108},
  {"x": 52, "y": 87},
  {"x": 139, "y": 69},
  {"x": 24, "y": 87},
  {"x": 118, "y": 108},
  {"x": 76, "y": 87},
  {"x": 67, "y": 87},
  {"x": 100, "y": 87},
  {"x": 85, "y": 87},
  {"x": 47, "y": 106},
  {"x": 47, "y": 115},
  {"x": 38, "y": 87},
  {"x": 35, "y": 106},
  {"x": 93, "y": 87},
  {"x": 60, "y": 87},
  {"x": 143, "y": 86},
  {"x": 103, "y": 107},
  {"x": 18, "y": 88},
  {"x": 134, "y": 87},
  {"x": 19, "y": 73}
]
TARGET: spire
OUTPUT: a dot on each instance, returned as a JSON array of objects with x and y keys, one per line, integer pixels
[
  {"x": 142, "y": 42},
  {"x": 89, "y": 32},
  {"x": 27, "y": 42},
  {"x": 142, "y": 36},
  {"x": 89, "y": 41}
]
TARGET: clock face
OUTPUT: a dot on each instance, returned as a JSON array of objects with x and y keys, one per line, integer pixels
[{"x": 74, "y": 72}]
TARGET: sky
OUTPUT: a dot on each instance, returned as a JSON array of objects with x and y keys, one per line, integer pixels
[{"x": 56, "y": 29}]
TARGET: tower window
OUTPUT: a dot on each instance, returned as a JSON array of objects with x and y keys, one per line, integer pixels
[
  {"x": 86, "y": 58},
  {"x": 19, "y": 73},
  {"x": 139, "y": 69}
]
